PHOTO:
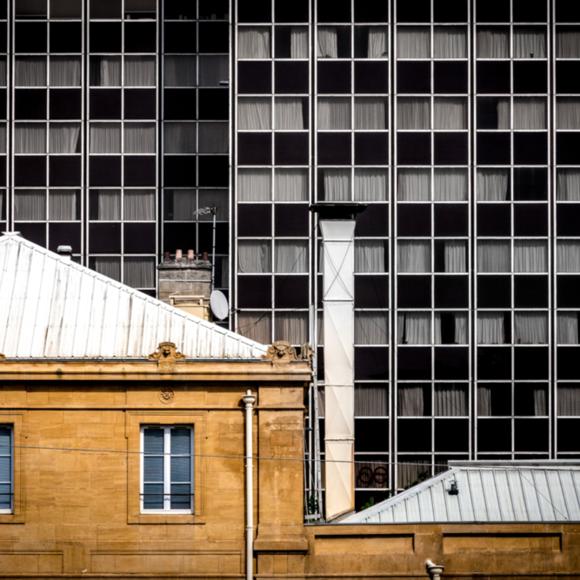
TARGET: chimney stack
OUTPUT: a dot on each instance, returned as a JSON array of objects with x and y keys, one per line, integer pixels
[{"x": 64, "y": 251}]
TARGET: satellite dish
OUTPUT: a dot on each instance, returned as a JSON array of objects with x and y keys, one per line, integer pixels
[{"x": 219, "y": 305}]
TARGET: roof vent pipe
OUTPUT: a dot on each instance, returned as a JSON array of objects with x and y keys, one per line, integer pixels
[
  {"x": 64, "y": 251},
  {"x": 434, "y": 570}
]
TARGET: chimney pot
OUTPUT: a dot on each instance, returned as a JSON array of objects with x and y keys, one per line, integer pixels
[
  {"x": 190, "y": 255},
  {"x": 205, "y": 257},
  {"x": 64, "y": 251},
  {"x": 178, "y": 255},
  {"x": 166, "y": 256}
]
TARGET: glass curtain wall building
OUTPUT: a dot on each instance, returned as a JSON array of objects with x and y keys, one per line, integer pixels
[{"x": 456, "y": 122}]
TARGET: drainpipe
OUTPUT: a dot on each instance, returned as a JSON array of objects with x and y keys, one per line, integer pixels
[
  {"x": 249, "y": 401},
  {"x": 434, "y": 570}
]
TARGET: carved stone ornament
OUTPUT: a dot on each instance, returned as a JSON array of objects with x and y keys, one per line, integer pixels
[
  {"x": 166, "y": 395},
  {"x": 2, "y": 356},
  {"x": 306, "y": 352},
  {"x": 166, "y": 355},
  {"x": 281, "y": 351}
]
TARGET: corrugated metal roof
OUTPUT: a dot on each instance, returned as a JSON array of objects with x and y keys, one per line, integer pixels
[
  {"x": 486, "y": 492},
  {"x": 51, "y": 307}
]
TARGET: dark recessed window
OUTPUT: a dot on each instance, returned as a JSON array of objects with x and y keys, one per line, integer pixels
[
  {"x": 371, "y": 12},
  {"x": 139, "y": 171},
  {"x": 568, "y": 219},
  {"x": 105, "y": 238},
  {"x": 530, "y": 148},
  {"x": 568, "y": 363},
  {"x": 30, "y": 103},
  {"x": 451, "y": 220},
  {"x": 371, "y": 292},
  {"x": 493, "y": 77},
  {"x": 450, "y": 10},
  {"x": 569, "y": 292},
  {"x": 371, "y": 148},
  {"x": 255, "y": 11},
  {"x": 290, "y": 220},
  {"x": 494, "y": 435},
  {"x": 291, "y": 148},
  {"x": 567, "y": 11},
  {"x": 530, "y": 77},
  {"x": 494, "y": 363},
  {"x": 531, "y": 435},
  {"x": 416, "y": 11},
  {"x": 30, "y": 37},
  {"x": 413, "y": 220},
  {"x": 213, "y": 104},
  {"x": 334, "y": 77},
  {"x": 414, "y": 363},
  {"x": 492, "y": 113},
  {"x": 372, "y": 434},
  {"x": 291, "y": 291},
  {"x": 64, "y": 170},
  {"x": 568, "y": 77},
  {"x": 451, "y": 292},
  {"x": 213, "y": 170},
  {"x": 179, "y": 236},
  {"x": 530, "y": 10},
  {"x": 210, "y": 9},
  {"x": 414, "y": 148},
  {"x": 530, "y": 183},
  {"x": 214, "y": 37},
  {"x": 105, "y": 104},
  {"x": 451, "y": 435},
  {"x": 66, "y": 37},
  {"x": 139, "y": 238},
  {"x": 179, "y": 37},
  {"x": 61, "y": 234},
  {"x": 414, "y": 291},
  {"x": 179, "y": 171},
  {"x": 334, "y": 11},
  {"x": 413, "y": 77},
  {"x": 254, "y": 220},
  {"x": 254, "y": 148},
  {"x": 493, "y": 292},
  {"x": 530, "y": 398},
  {"x": 334, "y": 149},
  {"x": 373, "y": 221},
  {"x": 568, "y": 148},
  {"x": 142, "y": 37},
  {"x": 450, "y": 77},
  {"x": 493, "y": 220},
  {"x": 65, "y": 103},
  {"x": 567, "y": 432},
  {"x": 492, "y": 11},
  {"x": 105, "y": 9},
  {"x": 182, "y": 9},
  {"x": 451, "y": 363},
  {"x": 531, "y": 220},
  {"x": 105, "y": 171},
  {"x": 105, "y": 37},
  {"x": 140, "y": 104},
  {"x": 179, "y": 104},
  {"x": 450, "y": 148},
  {"x": 493, "y": 148},
  {"x": 497, "y": 397},
  {"x": 296, "y": 11},
  {"x": 291, "y": 77},
  {"x": 254, "y": 291},
  {"x": 531, "y": 291},
  {"x": 254, "y": 77},
  {"x": 371, "y": 77},
  {"x": 29, "y": 171}
]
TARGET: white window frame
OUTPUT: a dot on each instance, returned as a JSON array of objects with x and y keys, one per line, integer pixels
[
  {"x": 167, "y": 509},
  {"x": 10, "y": 482}
]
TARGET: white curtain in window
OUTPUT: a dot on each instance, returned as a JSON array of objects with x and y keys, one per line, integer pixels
[
  {"x": 253, "y": 43},
  {"x": 291, "y": 256},
  {"x": 411, "y": 401},
  {"x": 378, "y": 42},
  {"x": 179, "y": 137},
  {"x": 455, "y": 256},
  {"x": 491, "y": 328},
  {"x": 409, "y": 474},
  {"x": 568, "y": 185},
  {"x": 529, "y": 43},
  {"x": 62, "y": 205},
  {"x": 568, "y": 256},
  {"x": 255, "y": 325},
  {"x": 540, "y": 400},
  {"x": 105, "y": 138},
  {"x": 336, "y": 184},
  {"x": 529, "y": 114},
  {"x": 414, "y": 185},
  {"x": 568, "y": 400},
  {"x": 414, "y": 256},
  {"x": 369, "y": 256},
  {"x": 334, "y": 114},
  {"x": 110, "y": 71},
  {"x": 450, "y": 114},
  {"x": 64, "y": 138},
  {"x": 413, "y": 113},
  {"x": 450, "y": 185},
  {"x": 139, "y": 138},
  {"x": 370, "y": 185},
  {"x": 110, "y": 267},
  {"x": 254, "y": 114},
  {"x": 139, "y": 71},
  {"x": 459, "y": 328},
  {"x": 414, "y": 328},
  {"x": 370, "y": 401},
  {"x": 493, "y": 43},
  {"x": 493, "y": 256},
  {"x": 180, "y": 71},
  {"x": 503, "y": 114},
  {"x": 30, "y": 205},
  {"x": 213, "y": 137},
  {"x": 289, "y": 114},
  {"x": 291, "y": 326},
  {"x": 483, "y": 401},
  {"x": 530, "y": 328},
  {"x": 327, "y": 42},
  {"x": 65, "y": 71},
  {"x": 413, "y": 42},
  {"x": 30, "y": 71},
  {"x": 568, "y": 43},
  {"x": 213, "y": 70},
  {"x": 370, "y": 113},
  {"x": 492, "y": 185},
  {"x": 108, "y": 205},
  {"x": 298, "y": 43},
  {"x": 568, "y": 112},
  {"x": 139, "y": 205},
  {"x": 3, "y": 72},
  {"x": 254, "y": 185},
  {"x": 449, "y": 42},
  {"x": 568, "y": 328},
  {"x": 30, "y": 138},
  {"x": 530, "y": 256},
  {"x": 450, "y": 401},
  {"x": 254, "y": 257},
  {"x": 140, "y": 272},
  {"x": 370, "y": 328},
  {"x": 291, "y": 185},
  {"x": 182, "y": 203}
]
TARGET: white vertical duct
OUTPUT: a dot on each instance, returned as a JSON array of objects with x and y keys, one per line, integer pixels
[
  {"x": 338, "y": 303},
  {"x": 249, "y": 401}
]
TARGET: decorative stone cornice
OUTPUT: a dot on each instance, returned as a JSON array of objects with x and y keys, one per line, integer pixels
[
  {"x": 166, "y": 356},
  {"x": 282, "y": 352},
  {"x": 2, "y": 356}
]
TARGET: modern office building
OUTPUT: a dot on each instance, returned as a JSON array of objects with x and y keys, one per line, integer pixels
[{"x": 455, "y": 122}]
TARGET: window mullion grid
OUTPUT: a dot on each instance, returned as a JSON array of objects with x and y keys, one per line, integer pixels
[{"x": 166, "y": 468}]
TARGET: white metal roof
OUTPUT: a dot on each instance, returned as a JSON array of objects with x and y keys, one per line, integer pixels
[
  {"x": 486, "y": 492},
  {"x": 51, "y": 307}
]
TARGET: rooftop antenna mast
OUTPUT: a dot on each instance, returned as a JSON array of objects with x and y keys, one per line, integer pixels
[{"x": 210, "y": 210}]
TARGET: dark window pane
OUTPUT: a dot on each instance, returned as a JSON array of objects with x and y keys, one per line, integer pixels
[
  {"x": 142, "y": 37},
  {"x": 531, "y": 220},
  {"x": 334, "y": 149},
  {"x": 179, "y": 171},
  {"x": 30, "y": 37},
  {"x": 140, "y": 104},
  {"x": 181, "y": 9},
  {"x": 291, "y": 148},
  {"x": 568, "y": 77},
  {"x": 371, "y": 12},
  {"x": 450, "y": 77},
  {"x": 494, "y": 435},
  {"x": 65, "y": 103},
  {"x": 414, "y": 148},
  {"x": 451, "y": 435},
  {"x": 179, "y": 236},
  {"x": 450, "y": 10},
  {"x": 493, "y": 363},
  {"x": 139, "y": 238},
  {"x": 213, "y": 170},
  {"x": 451, "y": 292},
  {"x": 414, "y": 363},
  {"x": 291, "y": 77},
  {"x": 450, "y": 148},
  {"x": 493, "y": 292},
  {"x": 451, "y": 363},
  {"x": 531, "y": 434},
  {"x": 290, "y": 220},
  {"x": 493, "y": 148},
  {"x": 291, "y": 11},
  {"x": 371, "y": 148},
  {"x": 254, "y": 77},
  {"x": 65, "y": 170},
  {"x": 30, "y": 104},
  {"x": 213, "y": 104},
  {"x": 492, "y": 11},
  {"x": 568, "y": 148},
  {"x": 254, "y": 220},
  {"x": 414, "y": 291},
  {"x": 213, "y": 37},
  {"x": 139, "y": 171},
  {"x": 179, "y": 103},
  {"x": 371, "y": 77},
  {"x": 530, "y": 184},
  {"x": 179, "y": 37},
  {"x": 493, "y": 220},
  {"x": 105, "y": 171},
  {"x": 567, "y": 11},
  {"x": 66, "y": 37},
  {"x": 530, "y": 10},
  {"x": 568, "y": 220},
  {"x": 105, "y": 104},
  {"x": 210, "y": 9},
  {"x": 414, "y": 220},
  {"x": 291, "y": 291},
  {"x": 413, "y": 77},
  {"x": 371, "y": 435},
  {"x": 105, "y": 36},
  {"x": 371, "y": 292},
  {"x": 531, "y": 291},
  {"x": 255, "y": 11},
  {"x": 416, "y": 11},
  {"x": 493, "y": 77},
  {"x": 530, "y": 148},
  {"x": 29, "y": 171},
  {"x": 451, "y": 220},
  {"x": 334, "y": 77},
  {"x": 254, "y": 291},
  {"x": 64, "y": 234},
  {"x": 371, "y": 363},
  {"x": 568, "y": 292},
  {"x": 334, "y": 11},
  {"x": 530, "y": 77},
  {"x": 373, "y": 221},
  {"x": 105, "y": 238},
  {"x": 254, "y": 148},
  {"x": 488, "y": 116}
]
